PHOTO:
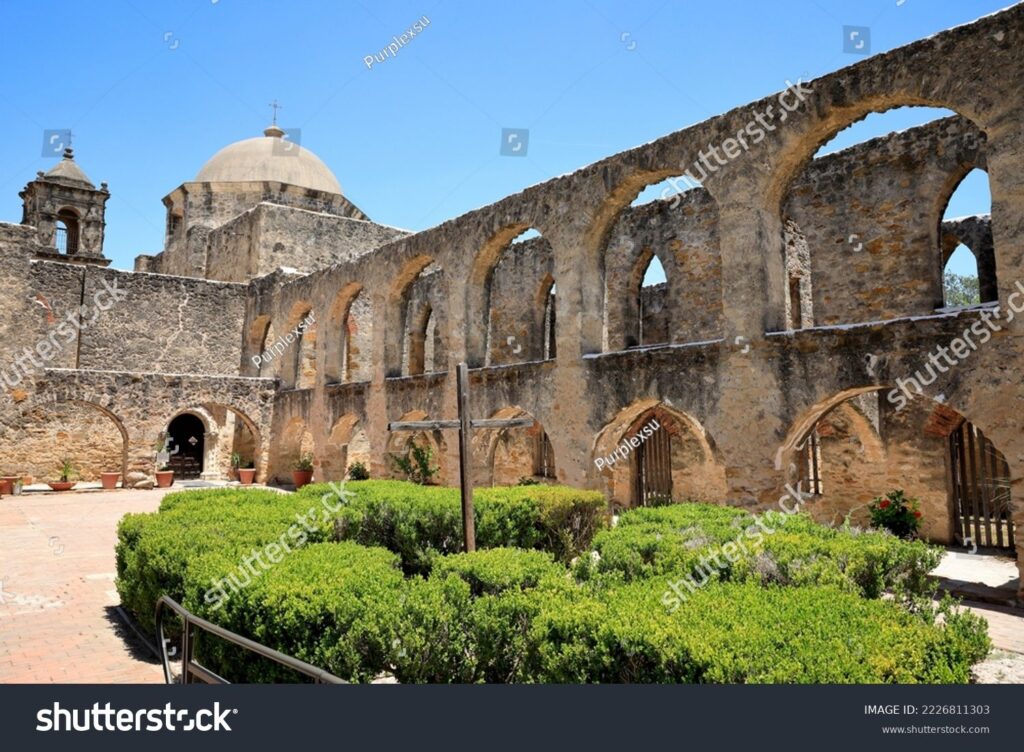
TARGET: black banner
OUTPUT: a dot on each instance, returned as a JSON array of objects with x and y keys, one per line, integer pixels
[{"x": 44, "y": 717}]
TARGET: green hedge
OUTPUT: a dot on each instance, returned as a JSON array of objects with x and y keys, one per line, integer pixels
[
  {"x": 517, "y": 615},
  {"x": 337, "y": 606},
  {"x": 703, "y": 541},
  {"x": 422, "y": 522},
  {"x": 198, "y": 537}
]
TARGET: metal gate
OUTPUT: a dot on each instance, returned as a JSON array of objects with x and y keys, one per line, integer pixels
[
  {"x": 980, "y": 490},
  {"x": 652, "y": 475}
]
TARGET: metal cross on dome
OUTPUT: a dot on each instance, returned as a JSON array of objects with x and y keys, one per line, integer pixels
[
  {"x": 464, "y": 425},
  {"x": 275, "y": 107}
]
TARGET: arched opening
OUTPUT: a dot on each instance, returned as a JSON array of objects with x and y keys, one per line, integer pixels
[
  {"x": 652, "y": 310},
  {"x": 504, "y": 326},
  {"x": 295, "y": 443},
  {"x": 92, "y": 437},
  {"x": 508, "y": 456},
  {"x": 304, "y": 368},
  {"x": 346, "y": 445},
  {"x": 186, "y": 446},
  {"x": 660, "y": 260},
  {"x": 860, "y": 444},
  {"x": 547, "y": 302},
  {"x": 868, "y": 206},
  {"x": 260, "y": 334},
  {"x": 966, "y": 248},
  {"x": 431, "y": 448},
  {"x": 652, "y": 454},
  {"x": 423, "y": 344},
  {"x": 351, "y": 331},
  {"x": 417, "y": 295},
  {"x": 65, "y": 238}
]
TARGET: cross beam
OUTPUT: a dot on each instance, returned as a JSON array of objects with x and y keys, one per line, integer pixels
[{"x": 464, "y": 425}]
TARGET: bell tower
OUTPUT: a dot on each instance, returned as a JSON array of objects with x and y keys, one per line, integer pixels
[{"x": 68, "y": 211}]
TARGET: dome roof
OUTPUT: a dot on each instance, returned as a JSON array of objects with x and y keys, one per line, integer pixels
[{"x": 269, "y": 157}]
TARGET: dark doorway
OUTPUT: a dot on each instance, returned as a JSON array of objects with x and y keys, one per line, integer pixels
[
  {"x": 652, "y": 468},
  {"x": 186, "y": 443}
]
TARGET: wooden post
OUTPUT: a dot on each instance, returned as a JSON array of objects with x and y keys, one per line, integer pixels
[{"x": 465, "y": 459}]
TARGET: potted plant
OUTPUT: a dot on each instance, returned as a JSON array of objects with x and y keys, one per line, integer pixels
[
  {"x": 7, "y": 483},
  {"x": 302, "y": 470},
  {"x": 247, "y": 474},
  {"x": 236, "y": 463},
  {"x": 109, "y": 479},
  {"x": 66, "y": 471},
  {"x": 164, "y": 477}
]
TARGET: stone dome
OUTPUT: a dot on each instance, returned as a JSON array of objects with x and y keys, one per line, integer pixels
[{"x": 269, "y": 157}]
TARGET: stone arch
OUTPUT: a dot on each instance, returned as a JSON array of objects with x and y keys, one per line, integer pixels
[
  {"x": 503, "y": 456},
  {"x": 68, "y": 220},
  {"x": 974, "y": 233},
  {"x": 208, "y": 454},
  {"x": 295, "y": 440},
  {"x": 301, "y": 364},
  {"x": 260, "y": 332},
  {"x": 545, "y": 308},
  {"x": 696, "y": 467},
  {"x": 349, "y": 336},
  {"x": 399, "y": 442},
  {"x": 44, "y": 445},
  {"x": 347, "y": 443},
  {"x": 907, "y": 447},
  {"x": 396, "y": 314},
  {"x": 479, "y": 308}
]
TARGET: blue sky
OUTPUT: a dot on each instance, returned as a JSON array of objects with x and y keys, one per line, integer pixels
[{"x": 153, "y": 89}]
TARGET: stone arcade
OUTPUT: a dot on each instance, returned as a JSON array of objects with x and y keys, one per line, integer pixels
[{"x": 765, "y": 359}]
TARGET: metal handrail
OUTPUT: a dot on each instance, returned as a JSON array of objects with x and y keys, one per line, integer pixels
[{"x": 190, "y": 668}]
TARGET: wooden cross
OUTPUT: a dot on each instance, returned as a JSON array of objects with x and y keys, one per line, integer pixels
[{"x": 464, "y": 425}]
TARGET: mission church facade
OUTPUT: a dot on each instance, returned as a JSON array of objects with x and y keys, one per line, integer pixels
[{"x": 279, "y": 319}]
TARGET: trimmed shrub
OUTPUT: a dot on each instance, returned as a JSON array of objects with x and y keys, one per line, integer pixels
[
  {"x": 496, "y": 570},
  {"x": 704, "y": 542},
  {"x": 198, "y": 537},
  {"x": 420, "y": 523},
  {"x": 739, "y": 633},
  {"x": 334, "y": 605}
]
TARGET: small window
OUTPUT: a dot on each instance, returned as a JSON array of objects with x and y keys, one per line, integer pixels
[{"x": 65, "y": 238}]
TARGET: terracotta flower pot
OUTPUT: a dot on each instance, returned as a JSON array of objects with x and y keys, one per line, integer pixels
[
  {"x": 61, "y": 485},
  {"x": 301, "y": 478},
  {"x": 246, "y": 475},
  {"x": 164, "y": 478},
  {"x": 109, "y": 480},
  {"x": 7, "y": 484}
]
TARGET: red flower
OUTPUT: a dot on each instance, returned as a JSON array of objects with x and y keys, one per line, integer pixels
[
  {"x": 884, "y": 503},
  {"x": 917, "y": 514}
]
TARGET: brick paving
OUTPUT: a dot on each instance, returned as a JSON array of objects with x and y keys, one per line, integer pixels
[{"x": 57, "y": 617}]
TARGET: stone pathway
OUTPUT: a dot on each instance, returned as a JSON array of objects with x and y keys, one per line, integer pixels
[{"x": 57, "y": 604}]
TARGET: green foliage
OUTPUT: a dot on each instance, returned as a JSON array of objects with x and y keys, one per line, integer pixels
[
  {"x": 706, "y": 542},
  {"x": 304, "y": 462},
  {"x": 420, "y": 523},
  {"x": 334, "y": 605},
  {"x": 896, "y": 513},
  {"x": 790, "y": 610},
  {"x": 744, "y": 633},
  {"x": 526, "y": 480},
  {"x": 201, "y": 535},
  {"x": 417, "y": 464},
  {"x": 496, "y": 570},
  {"x": 66, "y": 469},
  {"x": 961, "y": 290},
  {"x": 358, "y": 471}
]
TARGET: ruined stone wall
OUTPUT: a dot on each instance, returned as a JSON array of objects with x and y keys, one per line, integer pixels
[{"x": 870, "y": 217}]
